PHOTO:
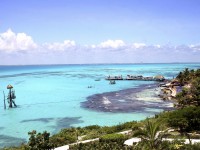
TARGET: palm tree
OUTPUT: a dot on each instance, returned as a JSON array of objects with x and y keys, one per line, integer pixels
[{"x": 151, "y": 134}]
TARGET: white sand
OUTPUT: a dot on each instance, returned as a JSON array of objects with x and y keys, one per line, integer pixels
[{"x": 106, "y": 101}]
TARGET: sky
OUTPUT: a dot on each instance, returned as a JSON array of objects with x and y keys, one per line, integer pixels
[{"x": 99, "y": 31}]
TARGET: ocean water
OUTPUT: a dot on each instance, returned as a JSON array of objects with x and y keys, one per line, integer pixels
[{"x": 49, "y": 97}]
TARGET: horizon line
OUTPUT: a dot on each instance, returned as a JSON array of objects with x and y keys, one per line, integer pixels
[{"x": 103, "y": 63}]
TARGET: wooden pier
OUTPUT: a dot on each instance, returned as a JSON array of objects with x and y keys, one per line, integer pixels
[{"x": 139, "y": 77}]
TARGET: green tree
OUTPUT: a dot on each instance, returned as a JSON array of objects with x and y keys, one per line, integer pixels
[
  {"x": 65, "y": 136},
  {"x": 195, "y": 91},
  {"x": 151, "y": 135},
  {"x": 39, "y": 141},
  {"x": 191, "y": 94},
  {"x": 186, "y": 119}
]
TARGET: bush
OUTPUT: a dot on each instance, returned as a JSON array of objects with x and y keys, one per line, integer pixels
[
  {"x": 65, "y": 136},
  {"x": 100, "y": 146},
  {"x": 92, "y": 127},
  {"x": 92, "y": 134},
  {"x": 39, "y": 141},
  {"x": 95, "y": 131},
  {"x": 119, "y": 138},
  {"x": 186, "y": 119}
]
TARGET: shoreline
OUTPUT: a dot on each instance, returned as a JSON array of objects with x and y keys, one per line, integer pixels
[{"x": 144, "y": 98}]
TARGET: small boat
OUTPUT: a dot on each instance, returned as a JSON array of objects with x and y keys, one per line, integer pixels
[
  {"x": 112, "y": 82},
  {"x": 97, "y": 80}
]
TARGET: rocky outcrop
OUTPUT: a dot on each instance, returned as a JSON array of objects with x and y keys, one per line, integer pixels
[{"x": 169, "y": 89}]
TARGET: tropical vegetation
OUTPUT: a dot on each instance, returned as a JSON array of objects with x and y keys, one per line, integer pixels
[{"x": 190, "y": 95}]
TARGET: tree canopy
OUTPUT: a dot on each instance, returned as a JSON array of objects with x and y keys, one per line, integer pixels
[{"x": 190, "y": 94}]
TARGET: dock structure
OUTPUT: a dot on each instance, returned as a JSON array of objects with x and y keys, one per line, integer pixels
[
  {"x": 134, "y": 77},
  {"x": 114, "y": 77}
]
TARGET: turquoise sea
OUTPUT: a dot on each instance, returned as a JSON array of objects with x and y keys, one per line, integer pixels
[{"x": 49, "y": 97}]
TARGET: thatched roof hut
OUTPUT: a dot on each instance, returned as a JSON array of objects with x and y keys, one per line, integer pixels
[
  {"x": 9, "y": 86},
  {"x": 159, "y": 78}
]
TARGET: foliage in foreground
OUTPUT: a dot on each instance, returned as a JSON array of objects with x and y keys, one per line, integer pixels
[
  {"x": 106, "y": 142},
  {"x": 186, "y": 119},
  {"x": 100, "y": 146},
  {"x": 39, "y": 141},
  {"x": 151, "y": 134},
  {"x": 166, "y": 145},
  {"x": 118, "y": 138},
  {"x": 70, "y": 135},
  {"x": 190, "y": 95}
]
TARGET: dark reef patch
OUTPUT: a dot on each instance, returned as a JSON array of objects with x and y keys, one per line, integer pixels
[
  {"x": 43, "y": 74},
  {"x": 61, "y": 123},
  {"x": 35, "y": 74},
  {"x": 124, "y": 101},
  {"x": 44, "y": 120},
  {"x": 90, "y": 76},
  {"x": 19, "y": 82},
  {"x": 1, "y": 128},
  {"x": 10, "y": 141},
  {"x": 65, "y": 122}
]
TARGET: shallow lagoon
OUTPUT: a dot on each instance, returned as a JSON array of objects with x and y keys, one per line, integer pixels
[{"x": 50, "y": 97}]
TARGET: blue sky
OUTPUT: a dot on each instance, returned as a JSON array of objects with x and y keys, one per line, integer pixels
[{"x": 63, "y": 28}]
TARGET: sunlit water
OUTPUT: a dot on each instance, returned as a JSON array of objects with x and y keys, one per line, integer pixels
[{"x": 49, "y": 97}]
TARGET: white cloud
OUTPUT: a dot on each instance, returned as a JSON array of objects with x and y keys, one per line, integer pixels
[
  {"x": 195, "y": 47},
  {"x": 67, "y": 44},
  {"x": 10, "y": 41},
  {"x": 93, "y": 46},
  {"x": 157, "y": 46},
  {"x": 69, "y": 52},
  {"x": 112, "y": 44},
  {"x": 138, "y": 45}
]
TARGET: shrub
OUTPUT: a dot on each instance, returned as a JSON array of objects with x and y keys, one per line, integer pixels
[
  {"x": 186, "y": 119},
  {"x": 39, "y": 140},
  {"x": 119, "y": 138},
  {"x": 92, "y": 127},
  {"x": 65, "y": 136},
  {"x": 100, "y": 146}
]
